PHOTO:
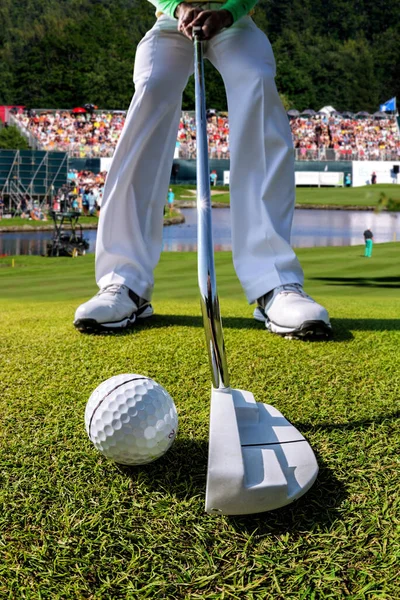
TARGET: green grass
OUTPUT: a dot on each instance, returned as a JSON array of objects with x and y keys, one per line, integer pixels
[
  {"x": 19, "y": 222},
  {"x": 358, "y": 196},
  {"x": 26, "y": 223},
  {"x": 367, "y": 195},
  {"x": 74, "y": 525}
]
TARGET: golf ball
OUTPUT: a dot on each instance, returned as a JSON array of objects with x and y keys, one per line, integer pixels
[{"x": 131, "y": 419}]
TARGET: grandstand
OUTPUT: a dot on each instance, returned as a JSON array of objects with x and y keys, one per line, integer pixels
[
  {"x": 31, "y": 176},
  {"x": 316, "y": 136},
  {"x": 83, "y": 141}
]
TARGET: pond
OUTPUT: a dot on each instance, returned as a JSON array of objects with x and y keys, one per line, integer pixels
[{"x": 310, "y": 228}]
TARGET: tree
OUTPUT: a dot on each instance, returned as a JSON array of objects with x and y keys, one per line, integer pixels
[
  {"x": 62, "y": 53},
  {"x": 11, "y": 139}
]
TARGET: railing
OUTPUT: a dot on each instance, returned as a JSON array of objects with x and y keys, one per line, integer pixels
[
  {"x": 31, "y": 139},
  {"x": 346, "y": 154},
  {"x": 17, "y": 193},
  {"x": 319, "y": 154}
]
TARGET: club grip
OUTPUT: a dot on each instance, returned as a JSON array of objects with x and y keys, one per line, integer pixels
[{"x": 198, "y": 32}]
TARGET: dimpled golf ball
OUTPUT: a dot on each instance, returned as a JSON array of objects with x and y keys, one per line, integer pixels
[{"x": 131, "y": 419}]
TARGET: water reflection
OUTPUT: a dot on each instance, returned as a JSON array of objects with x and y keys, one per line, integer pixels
[
  {"x": 310, "y": 228},
  {"x": 23, "y": 243},
  {"x": 341, "y": 227}
]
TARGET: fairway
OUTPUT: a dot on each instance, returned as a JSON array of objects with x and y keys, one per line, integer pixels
[{"x": 74, "y": 525}]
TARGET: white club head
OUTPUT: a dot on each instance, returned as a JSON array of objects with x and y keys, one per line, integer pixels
[{"x": 257, "y": 460}]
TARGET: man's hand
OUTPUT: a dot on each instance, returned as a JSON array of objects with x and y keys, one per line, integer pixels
[
  {"x": 186, "y": 14},
  {"x": 211, "y": 21}
]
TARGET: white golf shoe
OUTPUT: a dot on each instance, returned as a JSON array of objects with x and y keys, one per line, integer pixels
[
  {"x": 290, "y": 312},
  {"x": 113, "y": 307}
]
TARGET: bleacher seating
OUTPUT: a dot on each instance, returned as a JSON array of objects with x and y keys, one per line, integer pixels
[{"x": 318, "y": 137}]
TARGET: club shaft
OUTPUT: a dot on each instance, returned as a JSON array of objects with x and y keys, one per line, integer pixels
[{"x": 205, "y": 248}]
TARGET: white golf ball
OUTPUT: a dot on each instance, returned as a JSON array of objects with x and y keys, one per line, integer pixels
[{"x": 131, "y": 419}]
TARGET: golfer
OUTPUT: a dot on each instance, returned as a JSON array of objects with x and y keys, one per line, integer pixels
[{"x": 262, "y": 187}]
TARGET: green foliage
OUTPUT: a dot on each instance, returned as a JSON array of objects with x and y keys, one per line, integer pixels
[
  {"x": 11, "y": 139},
  {"x": 62, "y": 53},
  {"x": 387, "y": 203}
]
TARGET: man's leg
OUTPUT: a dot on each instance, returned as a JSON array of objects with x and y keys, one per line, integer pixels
[
  {"x": 262, "y": 182},
  {"x": 129, "y": 237}
]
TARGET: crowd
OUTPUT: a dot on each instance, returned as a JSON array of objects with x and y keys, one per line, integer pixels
[
  {"x": 318, "y": 137},
  {"x": 81, "y": 134},
  {"x": 336, "y": 138},
  {"x": 83, "y": 193},
  {"x": 218, "y": 135}
]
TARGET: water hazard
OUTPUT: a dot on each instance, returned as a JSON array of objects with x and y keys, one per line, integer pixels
[{"x": 310, "y": 228}]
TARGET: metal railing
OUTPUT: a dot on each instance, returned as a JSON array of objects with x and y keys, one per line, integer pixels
[
  {"x": 32, "y": 140},
  {"x": 320, "y": 154},
  {"x": 330, "y": 154}
]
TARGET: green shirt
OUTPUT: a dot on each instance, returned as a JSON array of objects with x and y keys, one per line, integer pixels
[{"x": 238, "y": 8}]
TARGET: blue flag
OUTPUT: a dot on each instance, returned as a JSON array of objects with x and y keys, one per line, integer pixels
[{"x": 390, "y": 105}]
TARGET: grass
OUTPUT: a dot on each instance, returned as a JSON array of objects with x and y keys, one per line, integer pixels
[
  {"x": 365, "y": 196},
  {"x": 19, "y": 222},
  {"x": 74, "y": 525},
  {"x": 26, "y": 223}
]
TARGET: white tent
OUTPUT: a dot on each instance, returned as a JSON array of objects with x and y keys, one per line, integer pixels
[{"x": 327, "y": 110}]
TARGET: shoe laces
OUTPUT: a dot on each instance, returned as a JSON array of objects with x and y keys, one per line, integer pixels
[
  {"x": 286, "y": 289},
  {"x": 290, "y": 288},
  {"x": 112, "y": 288}
]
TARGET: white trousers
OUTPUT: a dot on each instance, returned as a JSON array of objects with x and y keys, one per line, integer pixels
[{"x": 262, "y": 188}]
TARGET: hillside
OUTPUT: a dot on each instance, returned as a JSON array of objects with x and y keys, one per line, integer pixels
[{"x": 62, "y": 53}]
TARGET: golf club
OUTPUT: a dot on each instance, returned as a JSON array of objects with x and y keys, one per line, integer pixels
[{"x": 257, "y": 460}]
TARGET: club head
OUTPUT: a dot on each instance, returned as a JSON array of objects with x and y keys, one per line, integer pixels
[{"x": 257, "y": 460}]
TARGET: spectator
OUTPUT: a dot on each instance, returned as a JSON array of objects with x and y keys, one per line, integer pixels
[
  {"x": 369, "y": 242},
  {"x": 174, "y": 172},
  {"x": 85, "y": 201},
  {"x": 373, "y": 178},
  {"x": 171, "y": 198}
]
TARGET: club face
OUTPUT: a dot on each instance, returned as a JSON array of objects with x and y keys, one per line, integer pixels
[{"x": 257, "y": 460}]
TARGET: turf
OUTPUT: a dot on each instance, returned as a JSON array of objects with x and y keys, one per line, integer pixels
[
  {"x": 74, "y": 525},
  {"x": 364, "y": 196},
  {"x": 29, "y": 223}
]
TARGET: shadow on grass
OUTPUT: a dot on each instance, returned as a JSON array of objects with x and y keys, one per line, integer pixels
[
  {"x": 183, "y": 473},
  {"x": 351, "y": 426},
  {"x": 164, "y": 321},
  {"x": 342, "y": 328},
  {"x": 384, "y": 282}
]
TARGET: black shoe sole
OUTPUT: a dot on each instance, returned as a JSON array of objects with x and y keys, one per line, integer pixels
[
  {"x": 309, "y": 330},
  {"x": 92, "y": 326}
]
